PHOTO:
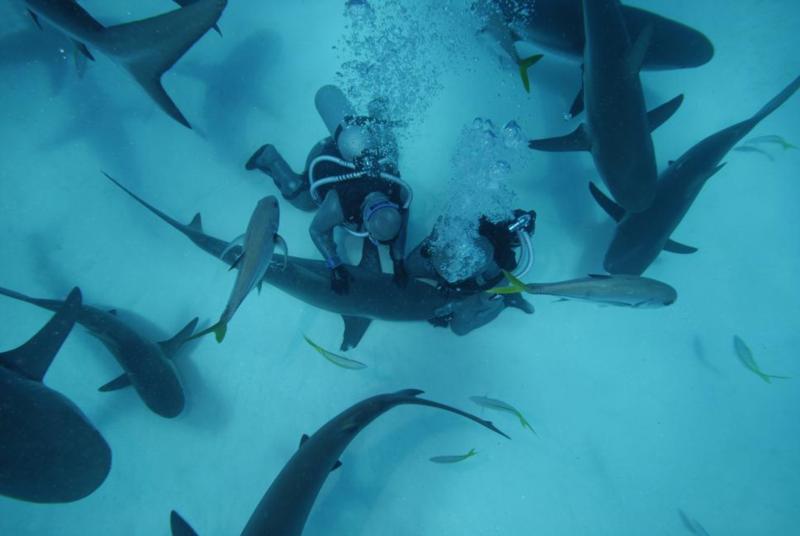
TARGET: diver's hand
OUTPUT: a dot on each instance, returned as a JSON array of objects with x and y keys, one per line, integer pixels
[
  {"x": 400, "y": 277},
  {"x": 340, "y": 280}
]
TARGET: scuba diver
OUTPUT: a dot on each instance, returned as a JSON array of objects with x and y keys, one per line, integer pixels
[
  {"x": 491, "y": 253},
  {"x": 351, "y": 180}
]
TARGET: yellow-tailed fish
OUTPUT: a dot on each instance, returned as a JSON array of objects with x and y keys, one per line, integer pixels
[
  {"x": 524, "y": 65},
  {"x": 499, "y": 405},
  {"x": 515, "y": 287},
  {"x": 454, "y": 459},
  {"x": 336, "y": 359},
  {"x": 747, "y": 359}
]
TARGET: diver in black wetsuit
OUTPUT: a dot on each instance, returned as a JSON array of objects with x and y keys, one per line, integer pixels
[
  {"x": 496, "y": 243},
  {"x": 351, "y": 180}
]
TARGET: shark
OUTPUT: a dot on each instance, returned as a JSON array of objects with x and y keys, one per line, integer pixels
[
  {"x": 373, "y": 295},
  {"x": 287, "y": 503},
  {"x": 640, "y": 237},
  {"x": 147, "y": 365},
  {"x": 146, "y": 48},
  {"x": 557, "y": 25},
  {"x": 617, "y": 128},
  {"x": 50, "y": 453}
]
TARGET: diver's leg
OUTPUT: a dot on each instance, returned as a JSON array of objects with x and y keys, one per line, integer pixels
[
  {"x": 293, "y": 187},
  {"x": 474, "y": 312}
]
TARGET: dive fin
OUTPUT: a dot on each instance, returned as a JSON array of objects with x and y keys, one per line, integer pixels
[
  {"x": 658, "y": 116},
  {"x": 639, "y": 48},
  {"x": 171, "y": 345},
  {"x": 577, "y": 140},
  {"x": 354, "y": 329},
  {"x": 179, "y": 526},
  {"x": 34, "y": 357},
  {"x": 677, "y": 247},
  {"x": 120, "y": 382},
  {"x": 524, "y": 65},
  {"x": 148, "y": 47},
  {"x": 611, "y": 208}
]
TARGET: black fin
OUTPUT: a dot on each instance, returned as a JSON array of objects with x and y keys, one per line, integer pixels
[
  {"x": 196, "y": 223},
  {"x": 120, "y": 382},
  {"x": 34, "y": 357},
  {"x": 354, "y": 329},
  {"x": 336, "y": 465},
  {"x": 179, "y": 526},
  {"x": 600, "y": 276},
  {"x": 612, "y": 209},
  {"x": 577, "y": 105},
  {"x": 659, "y": 115},
  {"x": 80, "y": 47},
  {"x": 677, "y": 247},
  {"x": 303, "y": 439},
  {"x": 171, "y": 345},
  {"x": 577, "y": 140}
]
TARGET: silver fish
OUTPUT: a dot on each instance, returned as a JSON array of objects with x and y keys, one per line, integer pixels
[{"x": 746, "y": 357}]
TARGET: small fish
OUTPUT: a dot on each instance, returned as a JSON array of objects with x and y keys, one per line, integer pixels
[
  {"x": 692, "y": 525},
  {"x": 499, "y": 405},
  {"x": 619, "y": 290},
  {"x": 773, "y": 138},
  {"x": 454, "y": 459},
  {"x": 746, "y": 357},
  {"x": 752, "y": 149},
  {"x": 336, "y": 359},
  {"x": 258, "y": 246}
]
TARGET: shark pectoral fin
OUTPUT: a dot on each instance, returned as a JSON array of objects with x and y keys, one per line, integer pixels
[
  {"x": 216, "y": 29},
  {"x": 237, "y": 261},
  {"x": 336, "y": 465},
  {"x": 147, "y": 48},
  {"x": 577, "y": 140},
  {"x": 577, "y": 105},
  {"x": 120, "y": 382},
  {"x": 178, "y": 526},
  {"x": 354, "y": 329},
  {"x": 611, "y": 208},
  {"x": 524, "y": 65},
  {"x": 233, "y": 243},
  {"x": 677, "y": 247},
  {"x": 80, "y": 47},
  {"x": 638, "y": 50},
  {"x": 170, "y": 346},
  {"x": 197, "y": 223},
  {"x": 658, "y": 116}
]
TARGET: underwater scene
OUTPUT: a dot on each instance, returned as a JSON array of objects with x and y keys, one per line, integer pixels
[{"x": 399, "y": 267}]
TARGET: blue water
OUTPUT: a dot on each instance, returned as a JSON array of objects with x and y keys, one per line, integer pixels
[{"x": 639, "y": 413}]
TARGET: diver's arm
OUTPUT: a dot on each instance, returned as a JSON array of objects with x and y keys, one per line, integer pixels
[{"x": 327, "y": 217}]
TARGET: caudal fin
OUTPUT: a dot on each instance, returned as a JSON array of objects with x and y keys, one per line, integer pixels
[{"x": 147, "y": 48}]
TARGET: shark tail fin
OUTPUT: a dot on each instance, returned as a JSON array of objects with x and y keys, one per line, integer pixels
[
  {"x": 777, "y": 101},
  {"x": 524, "y": 65},
  {"x": 148, "y": 47}
]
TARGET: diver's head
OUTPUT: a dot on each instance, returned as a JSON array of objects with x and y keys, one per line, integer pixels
[
  {"x": 382, "y": 218},
  {"x": 462, "y": 261}
]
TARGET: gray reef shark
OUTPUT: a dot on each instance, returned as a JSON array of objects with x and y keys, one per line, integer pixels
[
  {"x": 285, "y": 507},
  {"x": 146, "y": 48},
  {"x": 373, "y": 295},
  {"x": 147, "y": 365},
  {"x": 557, "y": 25},
  {"x": 640, "y": 237},
  {"x": 50, "y": 452},
  {"x": 617, "y": 128}
]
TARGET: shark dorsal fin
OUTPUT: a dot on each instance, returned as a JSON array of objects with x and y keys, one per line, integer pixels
[
  {"x": 197, "y": 223},
  {"x": 171, "y": 346},
  {"x": 303, "y": 439},
  {"x": 611, "y": 208},
  {"x": 178, "y": 526},
  {"x": 33, "y": 358}
]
